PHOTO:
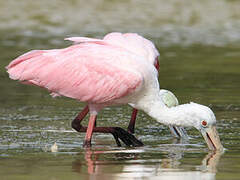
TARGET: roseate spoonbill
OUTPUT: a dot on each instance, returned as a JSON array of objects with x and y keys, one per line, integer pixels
[
  {"x": 102, "y": 73},
  {"x": 136, "y": 44}
]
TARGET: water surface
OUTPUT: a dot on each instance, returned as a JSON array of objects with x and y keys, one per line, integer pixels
[{"x": 199, "y": 63}]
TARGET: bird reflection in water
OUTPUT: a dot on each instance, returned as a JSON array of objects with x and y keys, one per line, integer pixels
[
  {"x": 127, "y": 164},
  {"x": 95, "y": 161}
]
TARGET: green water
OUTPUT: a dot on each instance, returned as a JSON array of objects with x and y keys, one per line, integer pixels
[{"x": 199, "y": 62}]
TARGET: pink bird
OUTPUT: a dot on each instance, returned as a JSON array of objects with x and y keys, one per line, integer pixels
[
  {"x": 138, "y": 45},
  {"x": 110, "y": 72},
  {"x": 131, "y": 42}
]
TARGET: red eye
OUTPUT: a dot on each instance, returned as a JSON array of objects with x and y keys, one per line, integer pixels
[
  {"x": 204, "y": 123},
  {"x": 156, "y": 64}
]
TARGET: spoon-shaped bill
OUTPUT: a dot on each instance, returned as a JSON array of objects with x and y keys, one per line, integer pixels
[{"x": 212, "y": 139}]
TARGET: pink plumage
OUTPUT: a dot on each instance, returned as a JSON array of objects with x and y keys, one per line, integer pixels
[
  {"x": 118, "y": 69},
  {"x": 129, "y": 41},
  {"x": 89, "y": 72},
  {"x": 101, "y": 72}
]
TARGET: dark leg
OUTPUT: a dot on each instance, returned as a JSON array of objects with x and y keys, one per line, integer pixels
[
  {"x": 76, "y": 123},
  {"x": 131, "y": 125},
  {"x": 117, "y": 132}
]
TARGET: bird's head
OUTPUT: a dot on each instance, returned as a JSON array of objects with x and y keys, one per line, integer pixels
[
  {"x": 203, "y": 119},
  {"x": 189, "y": 115}
]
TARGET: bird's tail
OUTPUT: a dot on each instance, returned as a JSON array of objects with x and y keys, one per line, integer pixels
[{"x": 18, "y": 67}]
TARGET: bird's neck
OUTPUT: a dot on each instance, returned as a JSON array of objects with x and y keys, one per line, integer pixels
[{"x": 177, "y": 116}]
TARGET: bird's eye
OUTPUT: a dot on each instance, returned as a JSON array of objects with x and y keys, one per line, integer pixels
[
  {"x": 204, "y": 123},
  {"x": 156, "y": 63}
]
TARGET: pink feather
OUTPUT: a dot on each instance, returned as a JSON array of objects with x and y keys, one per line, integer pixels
[{"x": 91, "y": 72}]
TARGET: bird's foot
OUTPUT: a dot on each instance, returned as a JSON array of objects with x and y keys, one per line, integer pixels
[
  {"x": 130, "y": 129},
  {"x": 118, "y": 133},
  {"x": 127, "y": 138},
  {"x": 77, "y": 126}
]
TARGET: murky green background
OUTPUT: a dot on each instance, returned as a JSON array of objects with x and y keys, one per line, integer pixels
[{"x": 199, "y": 42}]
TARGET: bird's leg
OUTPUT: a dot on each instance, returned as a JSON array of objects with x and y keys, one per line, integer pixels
[
  {"x": 117, "y": 132},
  {"x": 131, "y": 125},
  {"x": 76, "y": 123},
  {"x": 91, "y": 125}
]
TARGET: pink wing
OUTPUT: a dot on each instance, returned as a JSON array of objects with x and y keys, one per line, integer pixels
[
  {"x": 87, "y": 72},
  {"x": 128, "y": 41}
]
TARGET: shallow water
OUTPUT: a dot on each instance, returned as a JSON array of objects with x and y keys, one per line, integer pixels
[{"x": 204, "y": 68}]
